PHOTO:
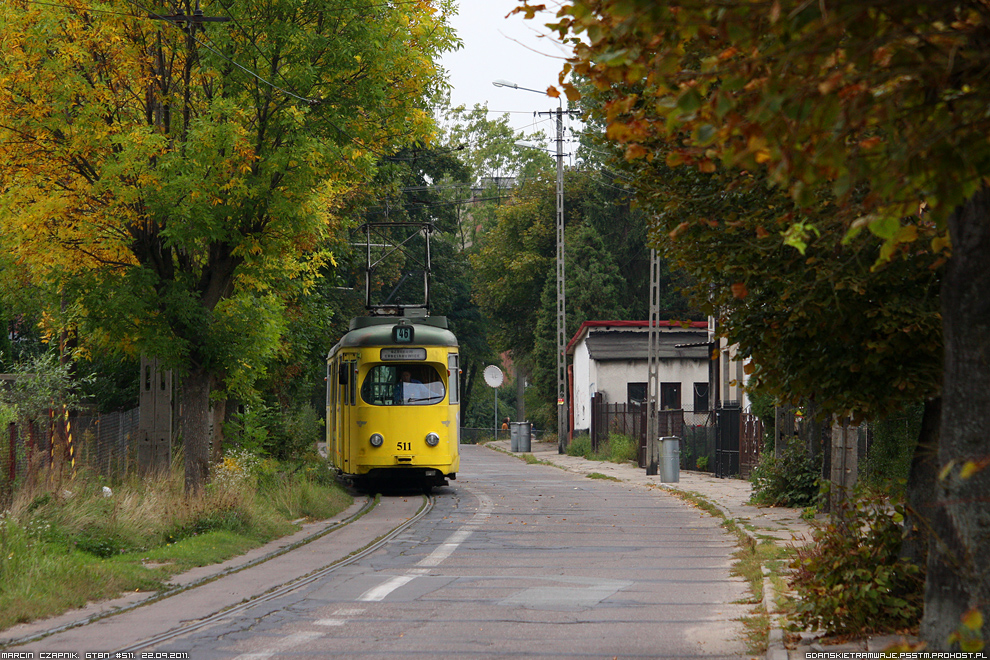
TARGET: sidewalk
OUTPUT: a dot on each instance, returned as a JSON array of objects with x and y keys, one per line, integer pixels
[{"x": 731, "y": 496}]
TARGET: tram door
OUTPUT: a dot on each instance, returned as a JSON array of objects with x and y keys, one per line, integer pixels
[
  {"x": 346, "y": 407},
  {"x": 333, "y": 422}
]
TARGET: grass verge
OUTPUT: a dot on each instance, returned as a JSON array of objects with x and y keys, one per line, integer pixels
[
  {"x": 756, "y": 558},
  {"x": 67, "y": 542},
  {"x": 617, "y": 448}
]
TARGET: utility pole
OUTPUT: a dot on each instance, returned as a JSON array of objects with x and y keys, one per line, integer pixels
[
  {"x": 653, "y": 384},
  {"x": 562, "y": 395},
  {"x": 188, "y": 22},
  {"x": 196, "y": 18}
]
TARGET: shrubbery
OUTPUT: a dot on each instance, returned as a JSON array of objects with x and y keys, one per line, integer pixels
[
  {"x": 790, "y": 481},
  {"x": 618, "y": 448},
  {"x": 850, "y": 578},
  {"x": 579, "y": 446},
  {"x": 66, "y": 541}
]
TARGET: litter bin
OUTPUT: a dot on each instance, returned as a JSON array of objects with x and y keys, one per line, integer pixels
[
  {"x": 519, "y": 436},
  {"x": 670, "y": 459}
]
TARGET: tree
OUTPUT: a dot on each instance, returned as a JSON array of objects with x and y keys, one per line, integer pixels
[
  {"x": 607, "y": 269},
  {"x": 596, "y": 290},
  {"x": 169, "y": 191},
  {"x": 513, "y": 264},
  {"x": 884, "y": 104},
  {"x": 488, "y": 148}
]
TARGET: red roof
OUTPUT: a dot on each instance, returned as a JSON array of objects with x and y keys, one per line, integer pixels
[{"x": 629, "y": 324}]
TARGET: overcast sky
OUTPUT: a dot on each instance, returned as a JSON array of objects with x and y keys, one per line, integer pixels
[{"x": 496, "y": 47}]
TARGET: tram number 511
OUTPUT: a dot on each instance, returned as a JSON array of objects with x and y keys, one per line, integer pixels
[{"x": 404, "y": 446}]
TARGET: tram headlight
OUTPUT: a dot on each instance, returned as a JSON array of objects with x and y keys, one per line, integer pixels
[
  {"x": 432, "y": 439},
  {"x": 377, "y": 440}
]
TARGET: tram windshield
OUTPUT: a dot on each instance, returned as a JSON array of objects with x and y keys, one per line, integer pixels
[{"x": 403, "y": 385}]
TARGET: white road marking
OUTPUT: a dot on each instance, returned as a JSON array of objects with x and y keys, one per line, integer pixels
[
  {"x": 284, "y": 644},
  {"x": 379, "y": 593},
  {"x": 349, "y": 611},
  {"x": 435, "y": 558},
  {"x": 330, "y": 622}
]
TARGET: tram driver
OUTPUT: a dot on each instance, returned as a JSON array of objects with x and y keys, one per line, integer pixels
[{"x": 409, "y": 389}]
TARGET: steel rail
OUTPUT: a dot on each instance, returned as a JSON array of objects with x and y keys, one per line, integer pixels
[{"x": 288, "y": 587}]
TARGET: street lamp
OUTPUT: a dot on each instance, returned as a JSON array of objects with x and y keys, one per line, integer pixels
[
  {"x": 562, "y": 408},
  {"x": 512, "y": 85},
  {"x": 525, "y": 144}
]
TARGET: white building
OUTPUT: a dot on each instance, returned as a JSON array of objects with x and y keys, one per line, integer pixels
[{"x": 611, "y": 357}]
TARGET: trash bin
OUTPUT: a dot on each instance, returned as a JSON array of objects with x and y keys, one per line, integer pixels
[
  {"x": 670, "y": 459},
  {"x": 519, "y": 436}
]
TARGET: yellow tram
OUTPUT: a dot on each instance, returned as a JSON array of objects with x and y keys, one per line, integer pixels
[{"x": 393, "y": 413}]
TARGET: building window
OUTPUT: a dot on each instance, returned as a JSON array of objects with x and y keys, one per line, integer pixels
[
  {"x": 636, "y": 393},
  {"x": 701, "y": 397},
  {"x": 670, "y": 396}
]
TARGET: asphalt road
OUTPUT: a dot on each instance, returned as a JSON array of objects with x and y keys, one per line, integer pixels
[{"x": 513, "y": 561}]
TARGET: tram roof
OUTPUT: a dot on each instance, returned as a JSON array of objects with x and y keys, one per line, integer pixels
[{"x": 377, "y": 331}]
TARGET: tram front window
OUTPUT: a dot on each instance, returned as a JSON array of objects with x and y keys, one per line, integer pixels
[{"x": 402, "y": 385}]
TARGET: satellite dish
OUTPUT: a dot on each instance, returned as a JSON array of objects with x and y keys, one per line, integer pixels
[{"x": 493, "y": 376}]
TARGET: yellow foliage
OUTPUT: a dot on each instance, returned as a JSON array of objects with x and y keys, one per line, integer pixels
[{"x": 100, "y": 168}]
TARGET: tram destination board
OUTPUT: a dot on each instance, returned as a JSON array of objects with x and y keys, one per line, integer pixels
[{"x": 402, "y": 354}]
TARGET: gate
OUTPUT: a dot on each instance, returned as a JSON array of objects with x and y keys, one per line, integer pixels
[
  {"x": 607, "y": 418},
  {"x": 727, "y": 422},
  {"x": 630, "y": 420}
]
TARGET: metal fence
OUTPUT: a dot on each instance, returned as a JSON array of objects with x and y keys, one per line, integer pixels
[
  {"x": 473, "y": 436},
  {"x": 104, "y": 443},
  {"x": 698, "y": 442},
  {"x": 727, "y": 441}
]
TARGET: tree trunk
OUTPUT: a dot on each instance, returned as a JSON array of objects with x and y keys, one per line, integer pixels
[
  {"x": 467, "y": 387},
  {"x": 921, "y": 486},
  {"x": 219, "y": 416},
  {"x": 195, "y": 426},
  {"x": 826, "y": 504},
  {"x": 958, "y": 560}
]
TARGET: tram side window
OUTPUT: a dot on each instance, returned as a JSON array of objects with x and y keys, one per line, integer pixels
[
  {"x": 352, "y": 382},
  {"x": 330, "y": 383},
  {"x": 453, "y": 368},
  {"x": 403, "y": 385}
]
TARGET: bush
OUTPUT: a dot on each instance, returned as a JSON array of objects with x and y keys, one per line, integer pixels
[
  {"x": 285, "y": 434},
  {"x": 850, "y": 579},
  {"x": 892, "y": 444},
  {"x": 618, "y": 448},
  {"x": 621, "y": 448},
  {"x": 790, "y": 481},
  {"x": 580, "y": 446}
]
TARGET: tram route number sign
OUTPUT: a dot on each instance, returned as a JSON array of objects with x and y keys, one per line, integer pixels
[
  {"x": 403, "y": 354},
  {"x": 402, "y": 334}
]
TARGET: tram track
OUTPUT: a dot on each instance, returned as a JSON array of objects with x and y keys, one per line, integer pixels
[{"x": 371, "y": 507}]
